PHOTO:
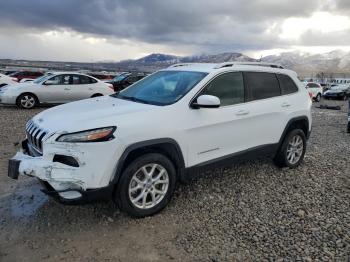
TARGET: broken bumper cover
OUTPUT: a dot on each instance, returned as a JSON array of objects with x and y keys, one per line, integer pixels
[
  {"x": 64, "y": 183},
  {"x": 87, "y": 196}
]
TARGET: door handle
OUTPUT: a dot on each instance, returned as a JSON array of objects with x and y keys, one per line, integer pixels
[
  {"x": 91, "y": 88},
  {"x": 242, "y": 112},
  {"x": 67, "y": 88},
  {"x": 285, "y": 104}
]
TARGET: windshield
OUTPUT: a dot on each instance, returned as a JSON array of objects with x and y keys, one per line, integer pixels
[
  {"x": 162, "y": 88},
  {"x": 42, "y": 79},
  {"x": 120, "y": 78}
]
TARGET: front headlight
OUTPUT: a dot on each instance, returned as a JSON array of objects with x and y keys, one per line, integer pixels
[{"x": 92, "y": 135}]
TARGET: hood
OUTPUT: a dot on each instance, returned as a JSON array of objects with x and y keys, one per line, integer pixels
[
  {"x": 88, "y": 114},
  {"x": 17, "y": 86}
]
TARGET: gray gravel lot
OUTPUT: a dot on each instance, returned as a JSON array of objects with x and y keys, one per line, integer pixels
[{"x": 251, "y": 211}]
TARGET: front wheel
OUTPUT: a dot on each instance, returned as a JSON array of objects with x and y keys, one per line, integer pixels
[
  {"x": 292, "y": 150},
  {"x": 27, "y": 101},
  {"x": 146, "y": 185}
]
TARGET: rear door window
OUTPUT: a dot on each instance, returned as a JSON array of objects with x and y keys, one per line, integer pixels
[
  {"x": 261, "y": 85},
  {"x": 287, "y": 84},
  {"x": 75, "y": 79}
]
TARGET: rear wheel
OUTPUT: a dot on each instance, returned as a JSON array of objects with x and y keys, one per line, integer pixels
[
  {"x": 27, "y": 101},
  {"x": 146, "y": 185},
  {"x": 292, "y": 150},
  {"x": 318, "y": 97}
]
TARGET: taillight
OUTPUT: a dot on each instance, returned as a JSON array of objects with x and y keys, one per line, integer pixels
[
  {"x": 111, "y": 87},
  {"x": 15, "y": 79},
  {"x": 310, "y": 95}
]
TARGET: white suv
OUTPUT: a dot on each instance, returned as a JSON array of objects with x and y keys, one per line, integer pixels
[{"x": 135, "y": 145}]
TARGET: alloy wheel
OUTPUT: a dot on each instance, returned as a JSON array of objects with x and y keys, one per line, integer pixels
[
  {"x": 295, "y": 149},
  {"x": 27, "y": 101},
  {"x": 148, "y": 186}
]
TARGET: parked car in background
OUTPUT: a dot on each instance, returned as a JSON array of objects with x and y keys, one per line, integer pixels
[
  {"x": 102, "y": 77},
  {"x": 124, "y": 80},
  {"x": 135, "y": 145},
  {"x": 7, "y": 71},
  {"x": 20, "y": 75},
  {"x": 6, "y": 80},
  {"x": 349, "y": 114},
  {"x": 315, "y": 90},
  {"x": 340, "y": 91},
  {"x": 324, "y": 87},
  {"x": 349, "y": 117},
  {"x": 54, "y": 88}
]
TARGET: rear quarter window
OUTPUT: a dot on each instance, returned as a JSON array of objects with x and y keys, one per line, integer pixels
[
  {"x": 92, "y": 81},
  {"x": 287, "y": 84}
]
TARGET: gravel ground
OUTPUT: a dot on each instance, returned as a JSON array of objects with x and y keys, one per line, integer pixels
[{"x": 251, "y": 211}]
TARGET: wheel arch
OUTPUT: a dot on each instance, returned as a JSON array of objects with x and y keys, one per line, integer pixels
[
  {"x": 301, "y": 122},
  {"x": 96, "y": 95},
  {"x": 166, "y": 146},
  {"x": 30, "y": 93}
]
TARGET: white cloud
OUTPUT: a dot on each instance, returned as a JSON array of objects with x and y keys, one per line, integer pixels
[{"x": 323, "y": 22}]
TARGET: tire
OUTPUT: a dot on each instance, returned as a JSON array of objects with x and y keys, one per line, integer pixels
[
  {"x": 138, "y": 197},
  {"x": 318, "y": 97},
  {"x": 284, "y": 158},
  {"x": 348, "y": 127},
  {"x": 27, "y": 101}
]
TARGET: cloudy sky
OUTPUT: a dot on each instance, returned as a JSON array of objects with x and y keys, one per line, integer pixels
[{"x": 111, "y": 30}]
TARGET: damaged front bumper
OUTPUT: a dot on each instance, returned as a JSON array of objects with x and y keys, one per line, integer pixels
[{"x": 61, "y": 181}]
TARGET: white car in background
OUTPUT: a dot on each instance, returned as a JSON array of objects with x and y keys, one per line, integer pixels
[
  {"x": 54, "y": 88},
  {"x": 6, "y": 80},
  {"x": 315, "y": 90}
]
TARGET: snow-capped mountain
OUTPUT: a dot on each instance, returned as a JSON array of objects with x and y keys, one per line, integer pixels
[
  {"x": 335, "y": 61},
  {"x": 218, "y": 58},
  {"x": 158, "y": 58},
  {"x": 304, "y": 63},
  {"x": 156, "y": 61}
]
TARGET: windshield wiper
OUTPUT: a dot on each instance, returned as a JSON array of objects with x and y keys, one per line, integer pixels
[{"x": 131, "y": 98}]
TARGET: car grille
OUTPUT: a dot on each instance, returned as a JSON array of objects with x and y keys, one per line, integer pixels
[{"x": 35, "y": 136}]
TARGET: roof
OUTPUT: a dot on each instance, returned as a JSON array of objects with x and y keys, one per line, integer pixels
[
  {"x": 228, "y": 66},
  {"x": 65, "y": 72}
]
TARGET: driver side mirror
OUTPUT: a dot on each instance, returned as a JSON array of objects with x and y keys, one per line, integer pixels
[{"x": 206, "y": 101}]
